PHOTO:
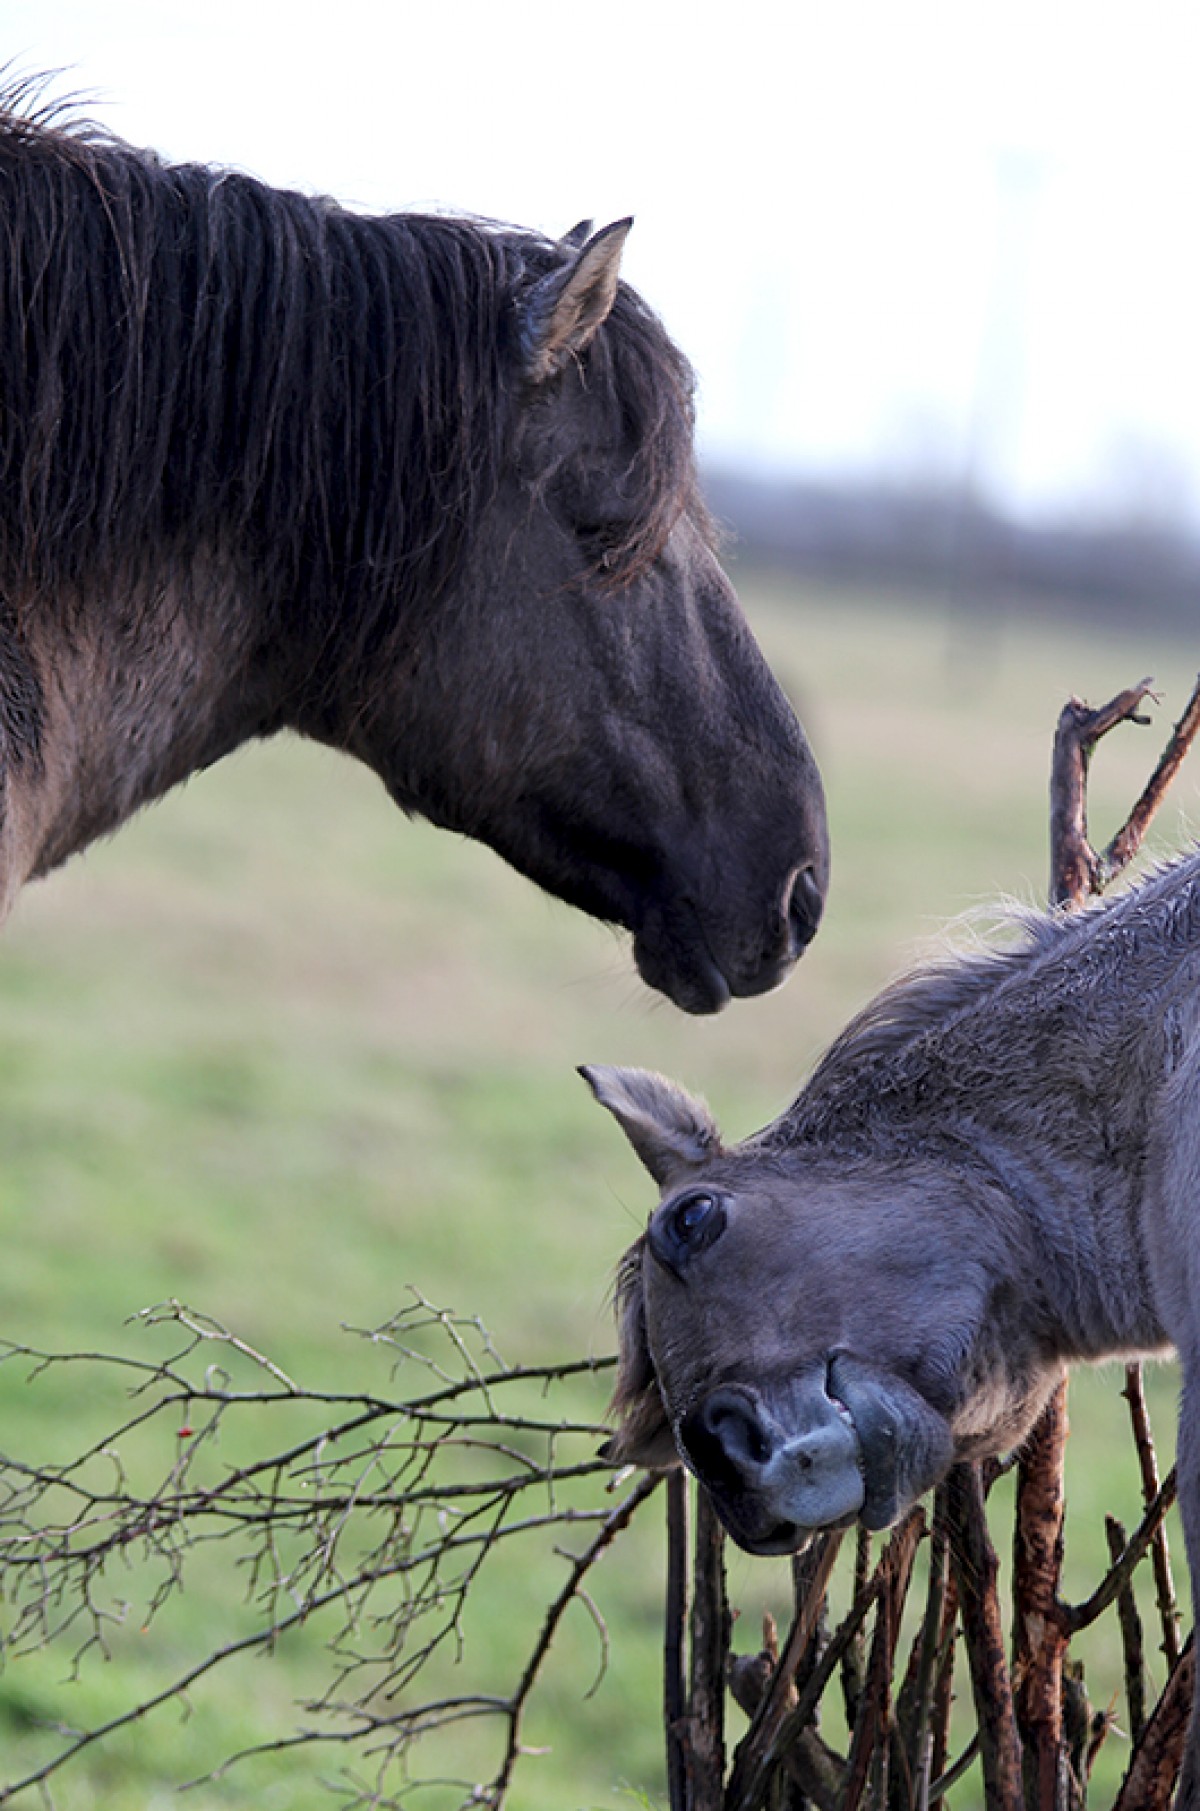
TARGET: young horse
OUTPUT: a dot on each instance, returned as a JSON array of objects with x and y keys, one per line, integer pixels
[
  {"x": 421, "y": 488},
  {"x": 995, "y": 1172}
]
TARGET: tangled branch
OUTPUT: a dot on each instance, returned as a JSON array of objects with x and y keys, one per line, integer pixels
[{"x": 373, "y": 1517}]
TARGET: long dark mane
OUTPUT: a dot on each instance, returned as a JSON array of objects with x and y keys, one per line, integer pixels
[{"x": 195, "y": 364}]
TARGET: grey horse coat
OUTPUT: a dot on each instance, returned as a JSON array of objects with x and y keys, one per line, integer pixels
[{"x": 992, "y": 1174}]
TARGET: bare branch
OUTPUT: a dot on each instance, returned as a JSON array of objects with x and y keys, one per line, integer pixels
[
  {"x": 709, "y": 1650},
  {"x": 1150, "y": 1781},
  {"x": 1135, "y": 1395},
  {"x": 976, "y": 1567},
  {"x": 756, "y": 1753},
  {"x": 374, "y": 1524},
  {"x": 1132, "y": 1645},
  {"x": 1111, "y": 1585},
  {"x": 613, "y": 1526},
  {"x": 1040, "y": 1626},
  {"x": 675, "y": 1624}
]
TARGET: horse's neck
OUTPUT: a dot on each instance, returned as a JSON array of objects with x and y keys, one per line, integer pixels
[{"x": 127, "y": 709}]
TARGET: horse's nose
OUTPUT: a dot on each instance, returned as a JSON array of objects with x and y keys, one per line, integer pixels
[{"x": 795, "y": 923}]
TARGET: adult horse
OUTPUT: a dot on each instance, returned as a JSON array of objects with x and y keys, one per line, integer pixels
[{"x": 421, "y": 488}]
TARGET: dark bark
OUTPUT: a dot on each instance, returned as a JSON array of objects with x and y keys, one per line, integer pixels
[
  {"x": 1150, "y": 1781},
  {"x": 1040, "y": 1630},
  {"x": 674, "y": 1661},
  {"x": 975, "y": 1570},
  {"x": 709, "y": 1651}
]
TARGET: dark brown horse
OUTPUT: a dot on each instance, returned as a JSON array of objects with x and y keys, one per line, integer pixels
[{"x": 421, "y": 488}]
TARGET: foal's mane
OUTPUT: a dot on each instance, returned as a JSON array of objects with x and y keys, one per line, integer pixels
[
  {"x": 954, "y": 1018},
  {"x": 192, "y": 362}
]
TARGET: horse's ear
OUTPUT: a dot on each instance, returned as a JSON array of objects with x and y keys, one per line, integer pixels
[
  {"x": 563, "y": 312},
  {"x": 670, "y": 1130},
  {"x": 579, "y": 234},
  {"x": 643, "y": 1435}
]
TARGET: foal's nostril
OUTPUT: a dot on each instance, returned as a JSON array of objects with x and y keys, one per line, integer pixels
[
  {"x": 738, "y": 1432},
  {"x": 757, "y": 1445},
  {"x": 726, "y": 1436}
]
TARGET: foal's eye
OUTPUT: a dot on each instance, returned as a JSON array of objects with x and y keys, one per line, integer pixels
[
  {"x": 691, "y": 1216},
  {"x": 684, "y": 1227}
]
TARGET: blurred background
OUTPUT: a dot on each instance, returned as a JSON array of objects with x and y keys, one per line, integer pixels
[
  {"x": 278, "y": 1053},
  {"x": 931, "y": 261}
]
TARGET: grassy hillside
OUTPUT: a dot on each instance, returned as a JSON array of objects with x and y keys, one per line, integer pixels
[{"x": 280, "y": 1054}]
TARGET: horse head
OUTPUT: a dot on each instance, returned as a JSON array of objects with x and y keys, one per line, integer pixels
[
  {"x": 421, "y": 487},
  {"x": 817, "y": 1341},
  {"x": 590, "y": 701}
]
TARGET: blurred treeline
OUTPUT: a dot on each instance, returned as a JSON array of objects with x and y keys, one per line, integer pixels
[{"x": 1132, "y": 552}]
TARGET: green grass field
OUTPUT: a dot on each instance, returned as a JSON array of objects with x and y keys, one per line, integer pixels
[{"x": 280, "y": 1054}]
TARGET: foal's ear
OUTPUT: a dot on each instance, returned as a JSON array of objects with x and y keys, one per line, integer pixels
[
  {"x": 563, "y": 312},
  {"x": 670, "y": 1130}
]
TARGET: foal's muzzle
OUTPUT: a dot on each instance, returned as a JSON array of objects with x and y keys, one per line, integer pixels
[{"x": 771, "y": 1485}]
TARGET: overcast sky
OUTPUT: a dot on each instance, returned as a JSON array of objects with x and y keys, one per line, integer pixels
[{"x": 888, "y": 234}]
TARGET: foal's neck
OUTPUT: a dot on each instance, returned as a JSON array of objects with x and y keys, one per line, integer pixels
[{"x": 1086, "y": 1239}]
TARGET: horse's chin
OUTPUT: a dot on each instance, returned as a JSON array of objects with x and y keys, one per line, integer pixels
[
  {"x": 675, "y": 952},
  {"x": 683, "y": 970},
  {"x": 674, "y": 955}
]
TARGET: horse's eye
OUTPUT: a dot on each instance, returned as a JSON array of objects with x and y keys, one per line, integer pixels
[{"x": 684, "y": 1227}]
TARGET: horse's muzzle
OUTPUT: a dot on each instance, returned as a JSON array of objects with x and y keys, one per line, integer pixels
[{"x": 700, "y": 963}]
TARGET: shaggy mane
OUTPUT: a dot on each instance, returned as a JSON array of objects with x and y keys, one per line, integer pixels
[{"x": 193, "y": 363}]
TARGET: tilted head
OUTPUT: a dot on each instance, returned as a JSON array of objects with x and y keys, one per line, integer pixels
[{"x": 818, "y": 1340}]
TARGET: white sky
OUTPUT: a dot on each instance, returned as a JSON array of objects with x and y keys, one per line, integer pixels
[{"x": 886, "y": 233}]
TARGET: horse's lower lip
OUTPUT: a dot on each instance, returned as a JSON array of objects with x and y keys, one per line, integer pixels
[
  {"x": 674, "y": 954},
  {"x": 703, "y": 990},
  {"x": 685, "y": 972},
  {"x": 765, "y": 979},
  {"x": 785, "y": 1537}
]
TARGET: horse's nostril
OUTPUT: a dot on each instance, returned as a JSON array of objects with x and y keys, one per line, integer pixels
[{"x": 804, "y": 909}]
